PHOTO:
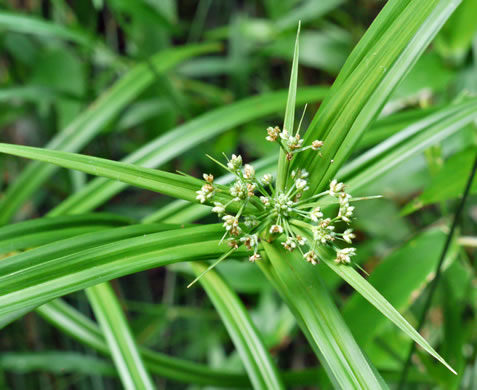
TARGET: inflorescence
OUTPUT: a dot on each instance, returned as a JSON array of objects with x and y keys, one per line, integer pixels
[{"x": 287, "y": 213}]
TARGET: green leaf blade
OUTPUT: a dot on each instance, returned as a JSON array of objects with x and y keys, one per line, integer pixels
[
  {"x": 283, "y": 162},
  {"x": 385, "y": 58},
  {"x": 123, "y": 348},
  {"x": 28, "y": 286},
  {"x": 368, "y": 292},
  {"x": 260, "y": 367},
  {"x": 86, "y": 126},
  {"x": 302, "y": 289},
  {"x": 181, "y": 139}
]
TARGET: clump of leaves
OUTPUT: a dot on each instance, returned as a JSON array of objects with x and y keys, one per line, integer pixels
[{"x": 281, "y": 222}]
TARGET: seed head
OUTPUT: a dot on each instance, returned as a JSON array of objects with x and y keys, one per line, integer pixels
[
  {"x": 324, "y": 232},
  {"x": 344, "y": 198},
  {"x": 250, "y": 241},
  {"x": 254, "y": 257},
  {"x": 316, "y": 145},
  {"x": 292, "y": 141},
  {"x": 316, "y": 214},
  {"x": 250, "y": 189},
  {"x": 209, "y": 178},
  {"x": 231, "y": 225},
  {"x": 235, "y": 163},
  {"x": 273, "y": 133},
  {"x": 233, "y": 244},
  {"x": 300, "y": 240},
  {"x": 348, "y": 235},
  {"x": 229, "y": 222},
  {"x": 239, "y": 190},
  {"x": 283, "y": 204},
  {"x": 301, "y": 185},
  {"x": 336, "y": 188},
  {"x": 248, "y": 172},
  {"x": 343, "y": 256},
  {"x": 250, "y": 221},
  {"x": 265, "y": 201},
  {"x": 267, "y": 179},
  {"x": 219, "y": 208},
  {"x": 289, "y": 244},
  {"x": 346, "y": 212},
  {"x": 275, "y": 229},
  {"x": 299, "y": 174},
  {"x": 311, "y": 257},
  {"x": 206, "y": 192}
]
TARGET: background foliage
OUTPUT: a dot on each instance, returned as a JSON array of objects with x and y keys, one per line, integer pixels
[{"x": 159, "y": 84}]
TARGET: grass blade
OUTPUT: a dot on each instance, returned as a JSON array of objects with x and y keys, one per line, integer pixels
[
  {"x": 40, "y": 231},
  {"x": 449, "y": 182},
  {"x": 283, "y": 162},
  {"x": 183, "y": 138},
  {"x": 405, "y": 29},
  {"x": 63, "y": 247},
  {"x": 437, "y": 132},
  {"x": 171, "y": 184},
  {"x": 87, "y": 125},
  {"x": 405, "y": 134},
  {"x": 110, "y": 316},
  {"x": 438, "y": 271},
  {"x": 32, "y": 279},
  {"x": 364, "y": 320},
  {"x": 302, "y": 289},
  {"x": 39, "y": 27},
  {"x": 57, "y": 362},
  {"x": 81, "y": 328},
  {"x": 257, "y": 361},
  {"x": 373, "y": 296}
]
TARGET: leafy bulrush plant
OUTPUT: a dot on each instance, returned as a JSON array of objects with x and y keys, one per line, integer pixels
[
  {"x": 279, "y": 212},
  {"x": 284, "y": 219}
]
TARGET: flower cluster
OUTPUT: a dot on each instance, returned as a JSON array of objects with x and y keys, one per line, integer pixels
[
  {"x": 257, "y": 210},
  {"x": 290, "y": 143},
  {"x": 207, "y": 191}
]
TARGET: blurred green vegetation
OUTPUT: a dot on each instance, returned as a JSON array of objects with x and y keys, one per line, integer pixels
[{"x": 145, "y": 71}]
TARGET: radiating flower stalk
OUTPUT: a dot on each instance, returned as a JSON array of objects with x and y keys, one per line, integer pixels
[
  {"x": 283, "y": 209},
  {"x": 289, "y": 215}
]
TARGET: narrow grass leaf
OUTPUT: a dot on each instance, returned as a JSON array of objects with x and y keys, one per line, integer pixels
[
  {"x": 405, "y": 29},
  {"x": 81, "y": 328},
  {"x": 300, "y": 286},
  {"x": 283, "y": 162},
  {"x": 178, "y": 186},
  {"x": 87, "y": 125},
  {"x": 373, "y": 296},
  {"x": 183, "y": 138},
  {"x": 257, "y": 361},
  {"x": 437, "y": 132},
  {"x": 449, "y": 182},
  {"x": 57, "y": 362},
  {"x": 27, "y": 286},
  {"x": 32, "y": 25},
  {"x": 124, "y": 352},
  {"x": 363, "y": 319},
  {"x": 63, "y": 247},
  {"x": 40, "y": 231},
  {"x": 430, "y": 124}
]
